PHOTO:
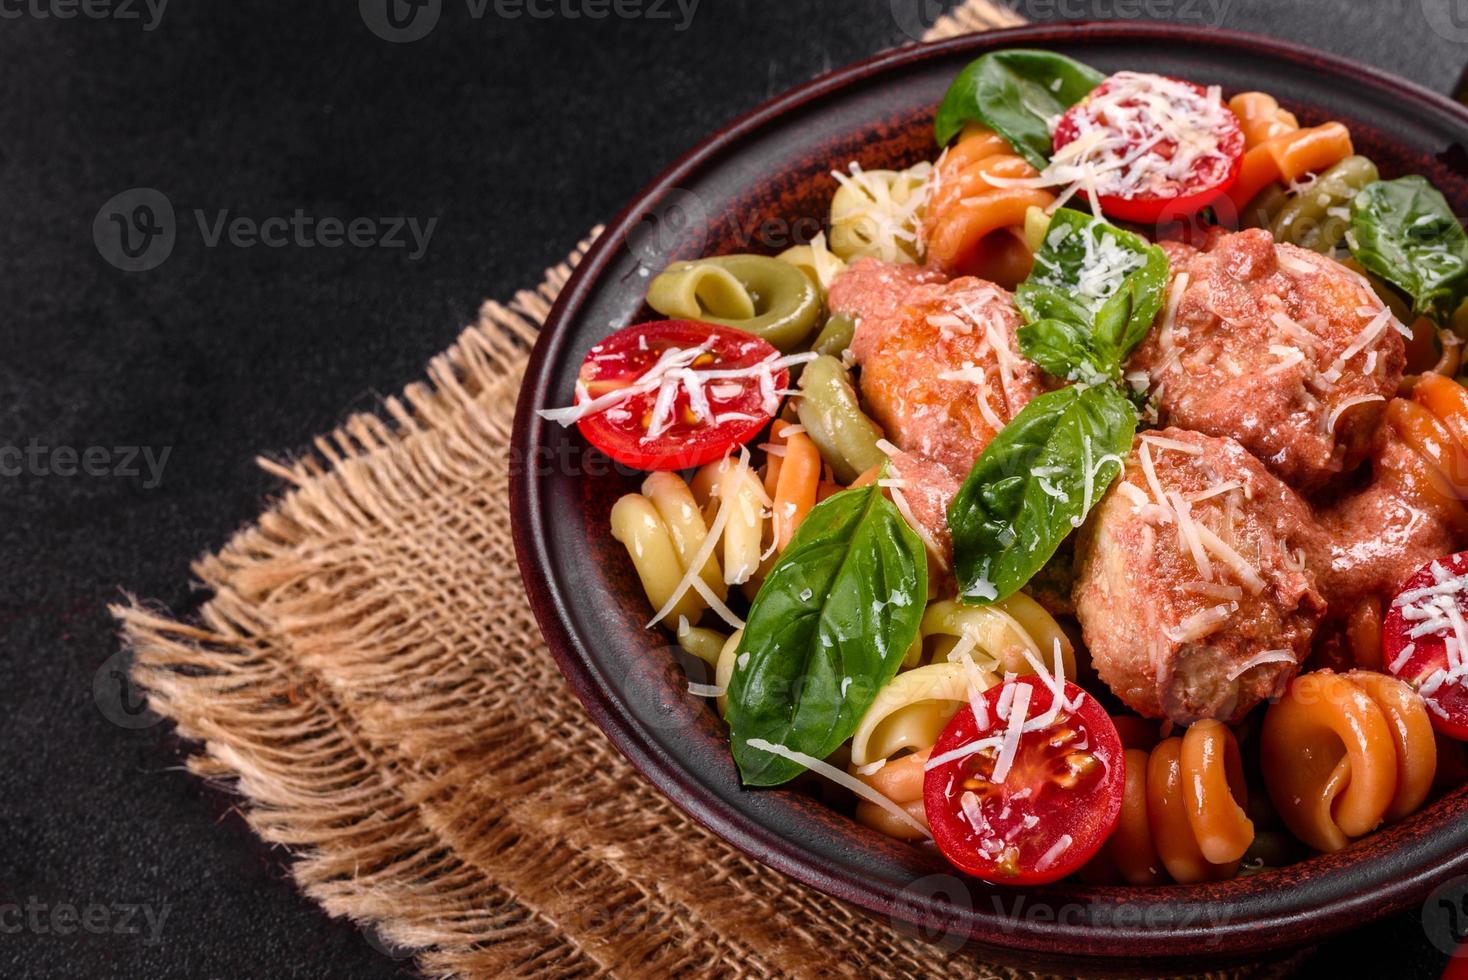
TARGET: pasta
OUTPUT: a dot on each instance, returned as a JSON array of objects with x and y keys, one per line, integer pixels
[
  {"x": 1006, "y": 637},
  {"x": 835, "y": 336},
  {"x": 877, "y": 213},
  {"x": 1318, "y": 216},
  {"x": 637, "y": 525},
  {"x": 975, "y": 219},
  {"x": 1182, "y": 809},
  {"x": 1341, "y": 753},
  {"x": 705, "y": 644},
  {"x": 907, "y": 620},
  {"x": 1433, "y": 425},
  {"x": 797, "y": 481},
  {"x": 816, "y": 260},
  {"x": 767, "y": 297},
  {"x": 910, "y": 712},
  {"x": 901, "y": 781},
  {"x": 1277, "y": 149},
  {"x": 833, "y": 418}
]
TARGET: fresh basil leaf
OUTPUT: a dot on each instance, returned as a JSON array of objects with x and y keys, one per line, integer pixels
[
  {"x": 1064, "y": 348},
  {"x": 833, "y": 620},
  {"x": 1090, "y": 298},
  {"x": 1404, "y": 232},
  {"x": 1028, "y": 489},
  {"x": 1015, "y": 93}
]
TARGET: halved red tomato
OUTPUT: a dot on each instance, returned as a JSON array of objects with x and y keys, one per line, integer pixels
[
  {"x": 1424, "y": 641},
  {"x": 1028, "y": 808},
  {"x": 671, "y": 394},
  {"x": 1162, "y": 148}
]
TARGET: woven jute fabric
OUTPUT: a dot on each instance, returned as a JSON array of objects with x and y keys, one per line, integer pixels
[{"x": 368, "y": 678}]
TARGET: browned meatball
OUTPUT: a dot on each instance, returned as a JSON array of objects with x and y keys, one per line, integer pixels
[
  {"x": 940, "y": 368},
  {"x": 1192, "y": 588},
  {"x": 1369, "y": 543},
  {"x": 1288, "y": 352}
]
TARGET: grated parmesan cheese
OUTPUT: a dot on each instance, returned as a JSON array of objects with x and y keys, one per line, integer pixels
[
  {"x": 1266, "y": 657},
  {"x": 843, "y": 779}
]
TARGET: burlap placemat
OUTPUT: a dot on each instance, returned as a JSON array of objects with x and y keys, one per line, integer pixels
[{"x": 369, "y": 679}]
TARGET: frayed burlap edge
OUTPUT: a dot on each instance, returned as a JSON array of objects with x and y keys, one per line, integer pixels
[{"x": 368, "y": 678}]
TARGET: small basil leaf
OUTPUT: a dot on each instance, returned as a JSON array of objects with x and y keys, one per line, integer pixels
[
  {"x": 827, "y": 631},
  {"x": 1104, "y": 284},
  {"x": 1064, "y": 349},
  {"x": 1015, "y": 93},
  {"x": 1043, "y": 460},
  {"x": 1404, "y": 231}
]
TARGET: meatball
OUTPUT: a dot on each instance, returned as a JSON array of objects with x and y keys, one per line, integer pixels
[
  {"x": 1192, "y": 586},
  {"x": 927, "y": 488},
  {"x": 871, "y": 288},
  {"x": 940, "y": 367},
  {"x": 1284, "y": 350},
  {"x": 1369, "y": 543}
]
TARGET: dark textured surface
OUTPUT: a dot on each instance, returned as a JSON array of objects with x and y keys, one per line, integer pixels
[{"x": 517, "y": 135}]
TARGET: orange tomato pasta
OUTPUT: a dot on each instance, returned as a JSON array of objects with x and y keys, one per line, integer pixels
[
  {"x": 972, "y": 225},
  {"x": 1341, "y": 753},
  {"x": 1182, "y": 813}
]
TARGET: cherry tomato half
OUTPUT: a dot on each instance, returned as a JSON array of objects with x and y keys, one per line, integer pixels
[
  {"x": 1125, "y": 110},
  {"x": 1054, "y": 808},
  {"x": 699, "y": 392},
  {"x": 1426, "y": 606}
]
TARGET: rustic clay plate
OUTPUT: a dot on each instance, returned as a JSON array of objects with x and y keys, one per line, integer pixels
[{"x": 754, "y": 186}]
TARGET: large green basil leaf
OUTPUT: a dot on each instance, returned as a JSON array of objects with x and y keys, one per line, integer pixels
[
  {"x": 833, "y": 620},
  {"x": 1029, "y": 488},
  {"x": 1404, "y": 231},
  {"x": 1090, "y": 298},
  {"x": 1015, "y": 93}
]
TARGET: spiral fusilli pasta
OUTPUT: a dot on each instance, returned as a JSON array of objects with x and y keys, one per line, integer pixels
[
  {"x": 1278, "y": 150},
  {"x": 1182, "y": 814},
  {"x": 966, "y": 209},
  {"x": 1433, "y": 425},
  {"x": 1342, "y": 753}
]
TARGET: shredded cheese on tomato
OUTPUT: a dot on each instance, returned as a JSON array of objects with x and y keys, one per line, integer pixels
[{"x": 1141, "y": 112}]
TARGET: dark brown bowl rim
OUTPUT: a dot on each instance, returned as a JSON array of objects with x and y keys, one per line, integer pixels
[{"x": 1338, "y": 897}]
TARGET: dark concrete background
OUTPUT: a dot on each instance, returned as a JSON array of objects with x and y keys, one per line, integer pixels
[{"x": 517, "y": 136}]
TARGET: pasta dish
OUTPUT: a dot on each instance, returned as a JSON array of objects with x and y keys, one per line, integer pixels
[{"x": 1086, "y": 500}]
